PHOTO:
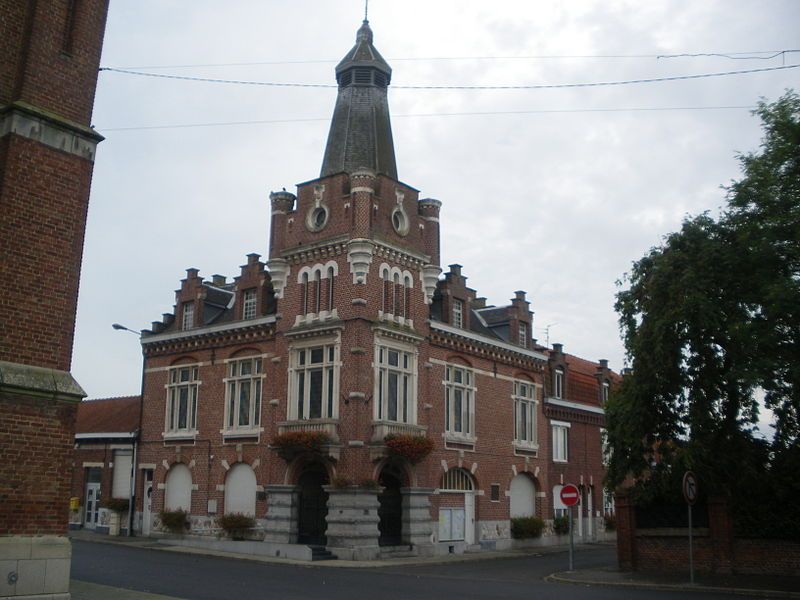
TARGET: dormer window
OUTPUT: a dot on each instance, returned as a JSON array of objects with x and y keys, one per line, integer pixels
[
  {"x": 558, "y": 383},
  {"x": 458, "y": 313},
  {"x": 523, "y": 335},
  {"x": 187, "y": 315},
  {"x": 604, "y": 392},
  {"x": 249, "y": 298}
]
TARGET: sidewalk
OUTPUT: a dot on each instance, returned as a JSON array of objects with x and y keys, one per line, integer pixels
[{"x": 760, "y": 586}]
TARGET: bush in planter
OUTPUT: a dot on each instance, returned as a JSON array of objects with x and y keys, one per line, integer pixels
[
  {"x": 174, "y": 521},
  {"x": 294, "y": 441},
  {"x": 369, "y": 484},
  {"x": 611, "y": 522},
  {"x": 411, "y": 447},
  {"x": 561, "y": 525},
  {"x": 340, "y": 482},
  {"x": 526, "y": 527},
  {"x": 117, "y": 505},
  {"x": 236, "y": 524}
]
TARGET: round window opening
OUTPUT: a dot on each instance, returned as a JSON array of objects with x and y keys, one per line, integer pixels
[
  {"x": 400, "y": 221},
  {"x": 317, "y": 218}
]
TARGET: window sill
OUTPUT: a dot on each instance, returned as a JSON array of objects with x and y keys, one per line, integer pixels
[
  {"x": 250, "y": 432},
  {"x": 454, "y": 441},
  {"x": 526, "y": 449},
  {"x": 180, "y": 435},
  {"x": 562, "y": 461}
]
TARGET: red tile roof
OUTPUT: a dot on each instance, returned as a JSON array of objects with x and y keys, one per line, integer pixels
[{"x": 108, "y": 415}]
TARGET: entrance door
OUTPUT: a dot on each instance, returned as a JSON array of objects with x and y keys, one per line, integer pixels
[
  {"x": 92, "y": 505},
  {"x": 313, "y": 507},
  {"x": 469, "y": 518},
  {"x": 147, "y": 502},
  {"x": 390, "y": 509}
]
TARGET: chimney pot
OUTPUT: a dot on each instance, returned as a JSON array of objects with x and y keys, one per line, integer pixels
[{"x": 558, "y": 348}]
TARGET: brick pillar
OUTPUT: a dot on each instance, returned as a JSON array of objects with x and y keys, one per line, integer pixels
[
  {"x": 625, "y": 512},
  {"x": 720, "y": 530}
]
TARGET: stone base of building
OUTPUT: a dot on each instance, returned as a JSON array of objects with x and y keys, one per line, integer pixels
[
  {"x": 353, "y": 523},
  {"x": 35, "y": 568}
]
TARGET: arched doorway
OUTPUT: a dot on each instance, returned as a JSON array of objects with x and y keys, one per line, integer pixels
[
  {"x": 313, "y": 505},
  {"x": 457, "y": 507},
  {"x": 390, "y": 506}
]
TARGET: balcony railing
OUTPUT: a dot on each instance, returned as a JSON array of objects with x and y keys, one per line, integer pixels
[
  {"x": 329, "y": 426},
  {"x": 380, "y": 429}
]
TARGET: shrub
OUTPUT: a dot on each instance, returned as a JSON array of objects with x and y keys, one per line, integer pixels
[
  {"x": 611, "y": 522},
  {"x": 341, "y": 482},
  {"x": 369, "y": 484},
  {"x": 236, "y": 524},
  {"x": 294, "y": 441},
  {"x": 526, "y": 527},
  {"x": 561, "y": 525},
  {"x": 411, "y": 447},
  {"x": 174, "y": 521},
  {"x": 117, "y": 505}
]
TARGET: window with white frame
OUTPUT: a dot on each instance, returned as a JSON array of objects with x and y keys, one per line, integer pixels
[
  {"x": 558, "y": 383},
  {"x": 458, "y": 313},
  {"x": 249, "y": 299},
  {"x": 459, "y": 402},
  {"x": 187, "y": 315},
  {"x": 604, "y": 393},
  {"x": 314, "y": 382},
  {"x": 182, "y": 399},
  {"x": 525, "y": 414},
  {"x": 395, "y": 384},
  {"x": 523, "y": 335},
  {"x": 243, "y": 394},
  {"x": 560, "y": 441}
]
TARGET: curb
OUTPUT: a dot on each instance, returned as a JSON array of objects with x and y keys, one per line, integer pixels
[{"x": 705, "y": 589}]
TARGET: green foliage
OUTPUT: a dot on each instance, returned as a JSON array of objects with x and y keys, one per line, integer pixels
[
  {"x": 610, "y": 522},
  {"x": 710, "y": 318},
  {"x": 341, "y": 482},
  {"x": 236, "y": 525},
  {"x": 174, "y": 521},
  {"x": 117, "y": 505},
  {"x": 369, "y": 484},
  {"x": 526, "y": 527},
  {"x": 299, "y": 441},
  {"x": 413, "y": 448},
  {"x": 561, "y": 525}
]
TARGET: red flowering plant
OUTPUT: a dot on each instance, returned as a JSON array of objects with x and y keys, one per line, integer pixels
[
  {"x": 411, "y": 447},
  {"x": 292, "y": 442}
]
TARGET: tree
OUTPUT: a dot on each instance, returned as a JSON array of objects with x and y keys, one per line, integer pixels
[{"x": 710, "y": 321}]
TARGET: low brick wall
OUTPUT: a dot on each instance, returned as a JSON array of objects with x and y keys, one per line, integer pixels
[{"x": 715, "y": 550}]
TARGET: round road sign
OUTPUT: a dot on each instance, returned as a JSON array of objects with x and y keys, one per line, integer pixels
[
  {"x": 570, "y": 495},
  {"x": 690, "y": 487}
]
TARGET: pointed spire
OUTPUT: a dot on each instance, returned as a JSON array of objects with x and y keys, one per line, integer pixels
[{"x": 361, "y": 132}]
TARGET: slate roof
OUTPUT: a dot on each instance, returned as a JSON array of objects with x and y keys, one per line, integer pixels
[
  {"x": 361, "y": 131},
  {"x": 108, "y": 415}
]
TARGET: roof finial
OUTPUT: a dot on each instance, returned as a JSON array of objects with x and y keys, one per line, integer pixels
[{"x": 366, "y": 9}]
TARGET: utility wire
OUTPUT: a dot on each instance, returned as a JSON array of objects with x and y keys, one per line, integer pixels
[
  {"x": 749, "y": 55},
  {"x": 457, "y": 87},
  {"x": 455, "y": 114}
]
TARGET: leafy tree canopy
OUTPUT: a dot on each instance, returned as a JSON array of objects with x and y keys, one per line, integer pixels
[{"x": 710, "y": 321}]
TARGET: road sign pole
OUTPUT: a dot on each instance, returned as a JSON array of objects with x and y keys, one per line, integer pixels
[
  {"x": 691, "y": 558},
  {"x": 571, "y": 542}
]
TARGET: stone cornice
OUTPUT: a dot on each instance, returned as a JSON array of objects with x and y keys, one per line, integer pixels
[
  {"x": 472, "y": 343},
  {"x": 572, "y": 415},
  {"x": 401, "y": 255},
  {"x": 324, "y": 249},
  {"x": 49, "y": 129},
  {"x": 200, "y": 338},
  {"x": 40, "y": 382}
]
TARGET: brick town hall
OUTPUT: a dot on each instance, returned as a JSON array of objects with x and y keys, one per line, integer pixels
[{"x": 273, "y": 394}]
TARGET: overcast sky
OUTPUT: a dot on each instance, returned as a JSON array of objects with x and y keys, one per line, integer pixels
[{"x": 552, "y": 191}]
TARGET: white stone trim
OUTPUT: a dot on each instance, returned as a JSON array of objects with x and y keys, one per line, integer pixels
[
  {"x": 94, "y": 436},
  {"x": 45, "y": 131},
  {"x": 575, "y": 405},
  {"x": 163, "y": 337},
  {"x": 486, "y": 340}
]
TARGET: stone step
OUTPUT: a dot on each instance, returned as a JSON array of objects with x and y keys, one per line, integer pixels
[
  {"x": 321, "y": 553},
  {"x": 404, "y": 551}
]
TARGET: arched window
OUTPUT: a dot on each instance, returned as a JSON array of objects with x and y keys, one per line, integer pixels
[
  {"x": 304, "y": 291},
  {"x": 456, "y": 480},
  {"x": 240, "y": 490},
  {"x": 317, "y": 291},
  {"x": 179, "y": 488},
  {"x": 331, "y": 275}
]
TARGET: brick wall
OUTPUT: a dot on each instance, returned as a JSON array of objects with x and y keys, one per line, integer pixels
[{"x": 36, "y": 436}]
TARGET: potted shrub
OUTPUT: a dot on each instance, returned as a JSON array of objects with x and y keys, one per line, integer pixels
[
  {"x": 174, "y": 521},
  {"x": 413, "y": 448},
  {"x": 115, "y": 506},
  {"x": 291, "y": 443},
  {"x": 236, "y": 525},
  {"x": 561, "y": 525},
  {"x": 610, "y": 521},
  {"x": 526, "y": 527}
]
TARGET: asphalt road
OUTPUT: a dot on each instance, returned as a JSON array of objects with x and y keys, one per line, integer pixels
[{"x": 196, "y": 577}]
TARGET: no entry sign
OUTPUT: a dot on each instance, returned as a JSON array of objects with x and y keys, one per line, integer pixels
[{"x": 570, "y": 495}]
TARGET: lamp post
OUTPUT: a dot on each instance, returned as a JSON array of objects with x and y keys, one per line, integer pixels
[{"x": 132, "y": 494}]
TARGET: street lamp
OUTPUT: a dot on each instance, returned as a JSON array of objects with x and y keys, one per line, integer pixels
[{"x": 132, "y": 495}]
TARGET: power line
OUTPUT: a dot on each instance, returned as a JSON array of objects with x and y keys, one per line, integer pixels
[
  {"x": 456, "y": 87},
  {"x": 740, "y": 55},
  {"x": 455, "y": 114}
]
